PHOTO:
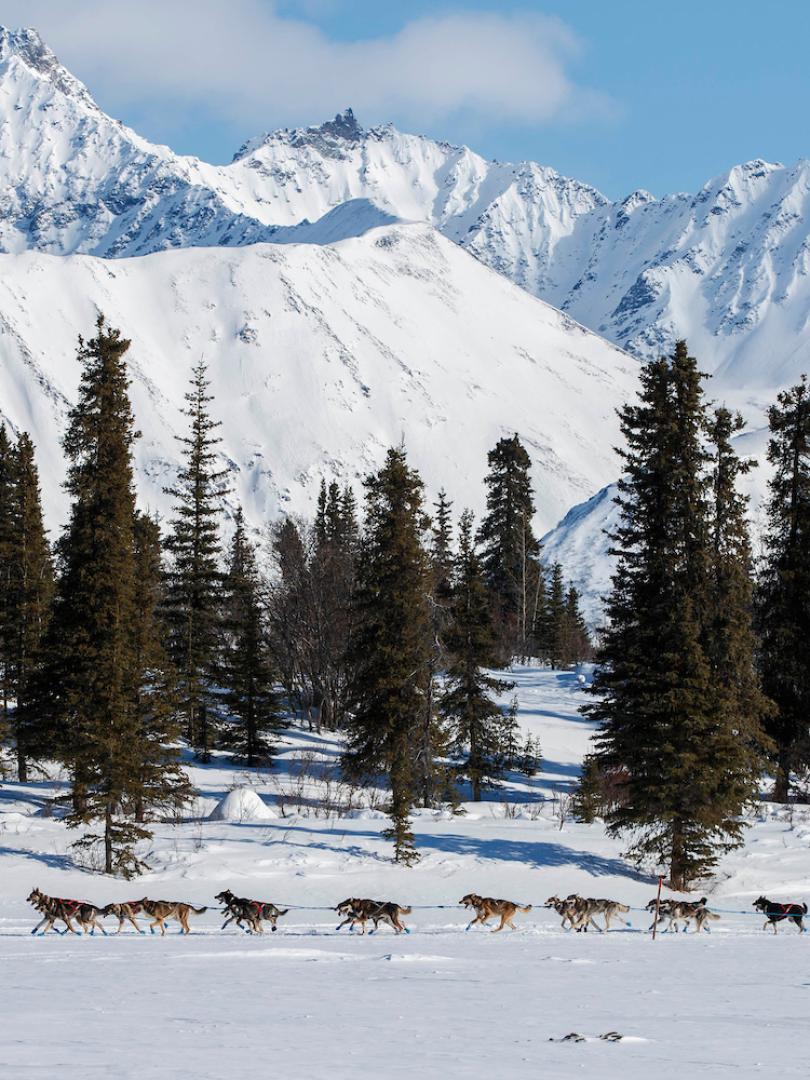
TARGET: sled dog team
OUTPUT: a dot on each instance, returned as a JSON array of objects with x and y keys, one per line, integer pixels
[{"x": 576, "y": 912}]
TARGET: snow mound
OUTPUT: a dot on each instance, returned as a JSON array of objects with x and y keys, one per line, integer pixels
[{"x": 241, "y": 804}]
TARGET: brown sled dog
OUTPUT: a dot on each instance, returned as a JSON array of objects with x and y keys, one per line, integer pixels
[
  {"x": 570, "y": 910},
  {"x": 683, "y": 911},
  {"x": 358, "y": 912},
  {"x": 486, "y": 907},
  {"x": 586, "y": 907},
  {"x": 53, "y": 908},
  {"x": 241, "y": 910},
  {"x": 162, "y": 910},
  {"x": 125, "y": 912}
]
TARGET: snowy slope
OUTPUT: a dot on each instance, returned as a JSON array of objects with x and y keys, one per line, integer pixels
[
  {"x": 321, "y": 357},
  {"x": 438, "y": 1003},
  {"x": 727, "y": 267}
]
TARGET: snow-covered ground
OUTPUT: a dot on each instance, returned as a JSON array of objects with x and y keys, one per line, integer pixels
[{"x": 309, "y": 1002}]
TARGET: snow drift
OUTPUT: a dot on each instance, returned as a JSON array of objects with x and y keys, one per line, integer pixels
[{"x": 242, "y": 804}]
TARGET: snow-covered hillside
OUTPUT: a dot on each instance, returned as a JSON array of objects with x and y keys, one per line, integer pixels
[
  {"x": 727, "y": 267},
  {"x": 321, "y": 357},
  {"x": 309, "y": 1001}
]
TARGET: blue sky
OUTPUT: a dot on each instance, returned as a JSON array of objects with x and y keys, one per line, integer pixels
[{"x": 620, "y": 93}]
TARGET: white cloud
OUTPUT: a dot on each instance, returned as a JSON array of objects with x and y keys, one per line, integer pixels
[{"x": 240, "y": 62}]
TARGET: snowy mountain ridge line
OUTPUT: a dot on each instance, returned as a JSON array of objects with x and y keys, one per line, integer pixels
[
  {"x": 727, "y": 268},
  {"x": 321, "y": 357}
]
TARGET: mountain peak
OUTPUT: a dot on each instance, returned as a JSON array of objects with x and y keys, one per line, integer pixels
[
  {"x": 27, "y": 46},
  {"x": 25, "y": 43},
  {"x": 328, "y": 138},
  {"x": 344, "y": 126}
]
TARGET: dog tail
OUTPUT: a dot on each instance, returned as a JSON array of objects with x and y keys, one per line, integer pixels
[
  {"x": 199, "y": 910},
  {"x": 526, "y": 909},
  {"x": 804, "y": 907},
  {"x": 283, "y": 911}
]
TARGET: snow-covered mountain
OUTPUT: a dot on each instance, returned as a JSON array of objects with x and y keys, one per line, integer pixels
[
  {"x": 728, "y": 268},
  {"x": 321, "y": 357}
]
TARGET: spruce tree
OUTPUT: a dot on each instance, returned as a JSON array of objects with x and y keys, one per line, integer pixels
[
  {"x": 93, "y": 667},
  {"x": 731, "y": 641},
  {"x": 160, "y": 784},
  {"x": 390, "y": 643},
  {"x": 784, "y": 590},
  {"x": 666, "y": 728},
  {"x": 510, "y": 548},
  {"x": 577, "y": 645},
  {"x": 29, "y": 577},
  {"x": 195, "y": 578},
  {"x": 557, "y": 618},
  {"x": 6, "y": 604},
  {"x": 467, "y": 704},
  {"x": 441, "y": 546},
  {"x": 433, "y": 780},
  {"x": 248, "y": 673}
]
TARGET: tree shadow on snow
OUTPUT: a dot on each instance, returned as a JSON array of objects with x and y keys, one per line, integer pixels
[
  {"x": 55, "y": 862},
  {"x": 535, "y": 854}
]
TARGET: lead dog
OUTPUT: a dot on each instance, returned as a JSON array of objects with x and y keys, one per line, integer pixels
[
  {"x": 486, "y": 907},
  {"x": 240, "y": 909},
  {"x": 359, "y": 911},
  {"x": 53, "y": 908},
  {"x": 161, "y": 910},
  {"x": 775, "y": 913}
]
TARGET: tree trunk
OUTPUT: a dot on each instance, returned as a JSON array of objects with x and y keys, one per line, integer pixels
[
  {"x": 108, "y": 847},
  {"x": 22, "y": 763},
  {"x": 677, "y": 864},
  {"x": 781, "y": 784}
]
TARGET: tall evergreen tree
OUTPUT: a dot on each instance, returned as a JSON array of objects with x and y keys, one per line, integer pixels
[
  {"x": 29, "y": 575},
  {"x": 784, "y": 593},
  {"x": 467, "y": 704},
  {"x": 390, "y": 645},
  {"x": 6, "y": 498},
  {"x": 557, "y": 618},
  {"x": 731, "y": 641},
  {"x": 248, "y": 674},
  {"x": 510, "y": 548},
  {"x": 441, "y": 545},
  {"x": 560, "y": 633},
  {"x": 160, "y": 784},
  {"x": 195, "y": 577},
  {"x": 577, "y": 642},
  {"x": 94, "y": 670},
  {"x": 666, "y": 728},
  {"x": 432, "y": 779}
]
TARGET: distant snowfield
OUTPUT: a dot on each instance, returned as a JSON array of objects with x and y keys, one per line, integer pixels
[
  {"x": 320, "y": 359},
  {"x": 309, "y": 1002}
]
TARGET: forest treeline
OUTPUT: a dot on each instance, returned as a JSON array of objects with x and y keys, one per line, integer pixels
[{"x": 130, "y": 642}]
